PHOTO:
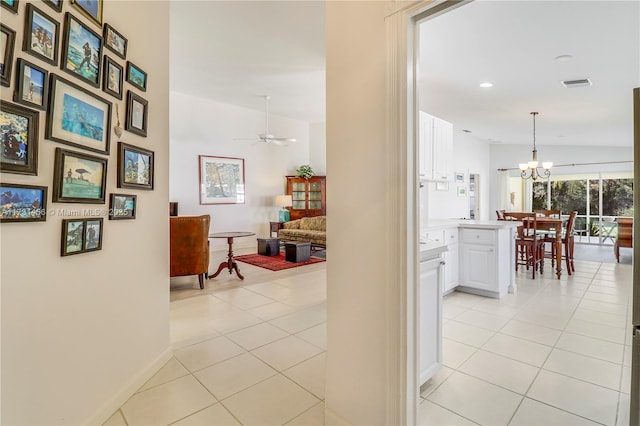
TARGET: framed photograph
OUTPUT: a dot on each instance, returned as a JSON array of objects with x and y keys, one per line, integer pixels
[
  {"x": 19, "y": 139},
  {"x": 122, "y": 206},
  {"x": 55, "y": 4},
  {"x": 221, "y": 180},
  {"x": 92, "y": 9},
  {"x": 112, "y": 81},
  {"x": 81, "y": 236},
  {"x": 442, "y": 186},
  {"x": 459, "y": 177},
  {"x": 7, "y": 43},
  {"x": 32, "y": 85},
  {"x": 462, "y": 191},
  {"x": 78, "y": 178},
  {"x": 136, "y": 76},
  {"x": 81, "y": 51},
  {"x": 23, "y": 203},
  {"x": 114, "y": 41},
  {"x": 135, "y": 167},
  {"x": 137, "y": 113},
  {"x": 78, "y": 117},
  {"x": 41, "y": 34},
  {"x": 11, "y": 5}
]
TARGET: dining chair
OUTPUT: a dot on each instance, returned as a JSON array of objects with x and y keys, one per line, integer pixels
[
  {"x": 568, "y": 240},
  {"x": 549, "y": 233},
  {"x": 500, "y": 214},
  {"x": 530, "y": 246}
]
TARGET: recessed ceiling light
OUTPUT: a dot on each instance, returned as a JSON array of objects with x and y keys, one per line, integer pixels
[
  {"x": 486, "y": 84},
  {"x": 564, "y": 58}
]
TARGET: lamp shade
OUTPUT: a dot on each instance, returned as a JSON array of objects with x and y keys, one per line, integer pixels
[{"x": 284, "y": 200}]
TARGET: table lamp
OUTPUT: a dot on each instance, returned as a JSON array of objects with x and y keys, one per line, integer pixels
[{"x": 283, "y": 201}]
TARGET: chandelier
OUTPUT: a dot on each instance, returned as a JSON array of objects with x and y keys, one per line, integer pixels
[{"x": 529, "y": 170}]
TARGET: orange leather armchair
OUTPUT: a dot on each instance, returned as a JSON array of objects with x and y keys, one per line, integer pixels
[{"x": 189, "y": 246}]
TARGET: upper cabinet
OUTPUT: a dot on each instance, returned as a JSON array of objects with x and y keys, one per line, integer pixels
[
  {"x": 436, "y": 148},
  {"x": 309, "y": 196}
]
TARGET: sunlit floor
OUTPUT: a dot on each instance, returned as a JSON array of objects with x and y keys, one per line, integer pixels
[{"x": 253, "y": 352}]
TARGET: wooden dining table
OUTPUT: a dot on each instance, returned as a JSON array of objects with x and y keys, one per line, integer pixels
[{"x": 549, "y": 223}]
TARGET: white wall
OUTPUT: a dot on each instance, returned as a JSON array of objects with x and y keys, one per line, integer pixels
[
  {"x": 318, "y": 147},
  {"x": 81, "y": 333},
  {"x": 204, "y": 127}
]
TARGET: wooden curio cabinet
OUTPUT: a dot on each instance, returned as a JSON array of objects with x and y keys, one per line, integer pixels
[{"x": 309, "y": 196}]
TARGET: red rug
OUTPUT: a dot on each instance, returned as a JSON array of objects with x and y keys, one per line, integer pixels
[{"x": 273, "y": 263}]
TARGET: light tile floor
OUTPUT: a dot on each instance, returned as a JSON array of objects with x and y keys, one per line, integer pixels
[{"x": 556, "y": 352}]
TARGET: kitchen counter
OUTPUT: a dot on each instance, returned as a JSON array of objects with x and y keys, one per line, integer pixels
[
  {"x": 430, "y": 251},
  {"x": 437, "y": 224}
]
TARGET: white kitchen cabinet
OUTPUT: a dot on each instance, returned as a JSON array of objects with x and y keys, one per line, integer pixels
[
  {"x": 430, "y": 317},
  {"x": 451, "y": 266},
  {"x": 436, "y": 148}
]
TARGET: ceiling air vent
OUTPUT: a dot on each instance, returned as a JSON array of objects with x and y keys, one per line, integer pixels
[{"x": 583, "y": 82}]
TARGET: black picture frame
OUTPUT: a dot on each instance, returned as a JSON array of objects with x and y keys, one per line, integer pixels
[
  {"x": 122, "y": 206},
  {"x": 137, "y": 114},
  {"x": 8, "y": 40},
  {"x": 136, "y": 76},
  {"x": 22, "y": 203},
  {"x": 18, "y": 155},
  {"x": 112, "y": 79},
  {"x": 81, "y": 235},
  {"x": 114, "y": 41},
  {"x": 41, "y": 35},
  {"x": 129, "y": 167},
  {"x": 67, "y": 99},
  {"x": 32, "y": 85},
  {"x": 54, "y": 4},
  {"x": 11, "y": 5},
  {"x": 91, "y": 9},
  {"x": 81, "y": 51},
  {"x": 68, "y": 188}
]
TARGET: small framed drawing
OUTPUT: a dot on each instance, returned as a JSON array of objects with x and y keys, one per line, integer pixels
[
  {"x": 136, "y": 76},
  {"x": 462, "y": 191},
  {"x": 122, "y": 206},
  {"x": 112, "y": 81},
  {"x": 78, "y": 177},
  {"x": 23, "y": 203},
  {"x": 19, "y": 140},
  {"x": 135, "y": 167},
  {"x": 114, "y": 41},
  {"x": 92, "y": 9},
  {"x": 55, "y": 4},
  {"x": 41, "y": 35},
  {"x": 11, "y": 5},
  {"x": 32, "y": 85},
  {"x": 459, "y": 177},
  {"x": 81, "y": 51},
  {"x": 81, "y": 236},
  {"x": 7, "y": 42},
  {"x": 78, "y": 117},
  {"x": 137, "y": 113},
  {"x": 221, "y": 180}
]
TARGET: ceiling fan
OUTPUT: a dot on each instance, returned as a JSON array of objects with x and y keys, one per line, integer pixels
[{"x": 267, "y": 137}]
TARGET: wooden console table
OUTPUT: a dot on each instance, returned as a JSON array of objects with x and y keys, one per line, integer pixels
[{"x": 231, "y": 262}]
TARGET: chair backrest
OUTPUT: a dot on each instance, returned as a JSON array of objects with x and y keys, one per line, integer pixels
[
  {"x": 555, "y": 214},
  {"x": 529, "y": 227},
  {"x": 571, "y": 223},
  {"x": 189, "y": 244}
]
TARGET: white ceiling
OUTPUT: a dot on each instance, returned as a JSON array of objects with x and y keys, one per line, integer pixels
[{"x": 237, "y": 51}]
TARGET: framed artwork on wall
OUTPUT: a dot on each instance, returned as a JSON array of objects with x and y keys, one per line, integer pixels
[
  {"x": 78, "y": 117},
  {"x": 135, "y": 167},
  {"x": 81, "y": 236},
  {"x": 112, "y": 81},
  {"x": 462, "y": 191},
  {"x": 19, "y": 152},
  {"x": 55, "y": 4},
  {"x": 137, "y": 113},
  {"x": 221, "y": 180},
  {"x": 81, "y": 51},
  {"x": 78, "y": 177},
  {"x": 136, "y": 76},
  {"x": 23, "y": 203},
  {"x": 32, "y": 86},
  {"x": 114, "y": 41},
  {"x": 122, "y": 206},
  {"x": 41, "y": 34},
  {"x": 7, "y": 43},
  {"x": 11, "y": 5},
  {"x": 92, "y": 9},
  {"x": 459, "y": 177}
]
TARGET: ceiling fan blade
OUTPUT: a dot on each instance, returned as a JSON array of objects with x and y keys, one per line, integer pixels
[
  {"x": 247, "y": 139},
  {"x": 284, "y": 139}
]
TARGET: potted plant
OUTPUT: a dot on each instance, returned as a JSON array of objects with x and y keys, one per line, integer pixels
[{"x": 304, "y": 171}]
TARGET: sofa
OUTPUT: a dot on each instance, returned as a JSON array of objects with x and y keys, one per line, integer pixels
[
  {"x": 189, "y": 246},
  {"x": 305, "y": 230}
]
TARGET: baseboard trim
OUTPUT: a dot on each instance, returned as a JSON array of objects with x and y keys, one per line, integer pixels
[
  {"x": 135, "y": 383},
  {"x": 331, "y": 418}
]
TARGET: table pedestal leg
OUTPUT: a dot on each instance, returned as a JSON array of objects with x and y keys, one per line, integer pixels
[
  {"x": 230, "y": 264},
  {"x": 559, "y": 256}
]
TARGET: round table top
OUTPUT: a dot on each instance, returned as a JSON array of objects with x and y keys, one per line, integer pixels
[{"x": 231, "y": 234}]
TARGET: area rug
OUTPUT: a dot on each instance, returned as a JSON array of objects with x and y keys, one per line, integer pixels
[{"x": 273, "y": 263}]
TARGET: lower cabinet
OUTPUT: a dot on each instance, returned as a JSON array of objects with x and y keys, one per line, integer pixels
[
  {"x": 430, "y": 317},
  {"x": 451, "y": 265}
]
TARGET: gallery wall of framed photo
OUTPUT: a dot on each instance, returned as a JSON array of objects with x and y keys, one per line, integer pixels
[{"x": 80, "y": 79}]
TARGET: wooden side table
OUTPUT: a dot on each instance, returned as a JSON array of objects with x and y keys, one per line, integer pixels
[
  {"x": 274, "y": 227},
  {"x": 230, "y": 264}
]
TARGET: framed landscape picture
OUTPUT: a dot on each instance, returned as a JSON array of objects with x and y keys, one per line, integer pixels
[
  {"x": 78, "y": 177},
  {"x": 81, "y": 236},
  {"x": 19, "y": 139},
  {"x": 135, "y": 167},
  {"x": 7, "y": 43},
  {"x": 41, "y": 34},
  {"x": 22, "y": 203},
  {"x": 32, "y": 85},
  {"x": 11, "y": 5},
  {"x": 114, "y": 41},
  {"x": 81, "y": 51},
  {"x": 221, "y": 180},
  {"x": 122, "y": 206},
  {"x": 136, "y": 76},
  {"x": 78, "y": 117},
  {"x": 112, "y": 81},
  {"x": 137, "y": 113},
  {"x": 92, "y": 9}
]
